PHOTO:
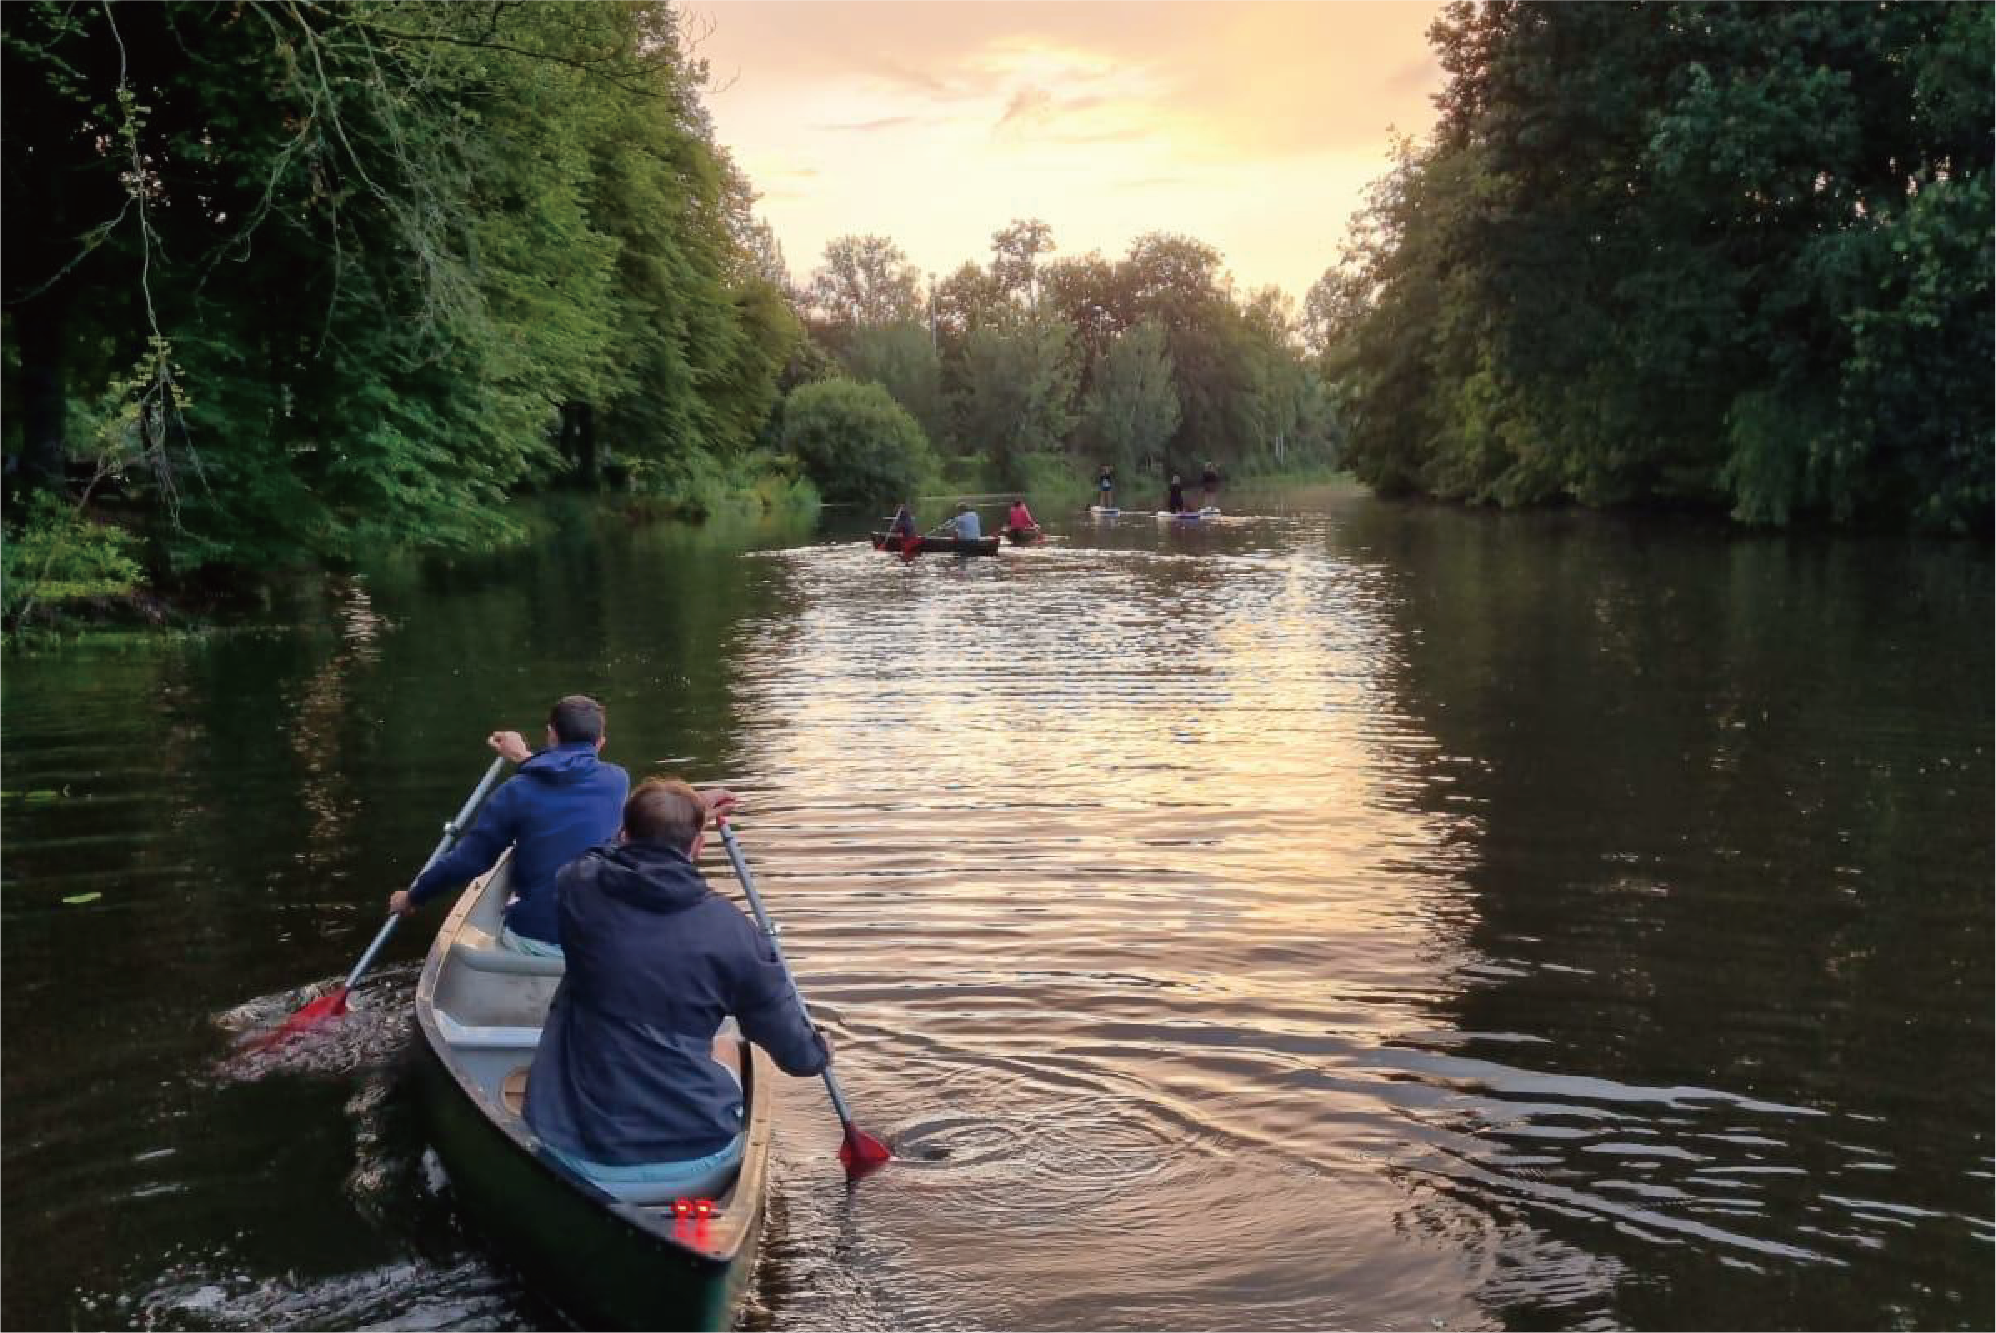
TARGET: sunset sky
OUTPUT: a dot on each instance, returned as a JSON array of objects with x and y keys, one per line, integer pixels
[{"x": 1254, "y": 127}]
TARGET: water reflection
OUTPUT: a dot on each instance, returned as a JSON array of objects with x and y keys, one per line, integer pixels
[
  {"x": 1357, "y": 916},
  {"x": 1686, "y": 749},
  {"x": 1136, "y": 829}
]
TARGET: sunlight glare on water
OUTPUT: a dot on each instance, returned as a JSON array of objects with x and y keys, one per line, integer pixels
[{"x": 1132, "y": 835}]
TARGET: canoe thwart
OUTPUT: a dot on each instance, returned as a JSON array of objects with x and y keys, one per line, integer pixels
[
  {"x": 482, "y": 951},
  {"x": 482, "y": 1037}
]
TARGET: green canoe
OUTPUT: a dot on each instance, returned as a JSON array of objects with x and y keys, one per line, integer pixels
[{"x": 677, "y": 1264}]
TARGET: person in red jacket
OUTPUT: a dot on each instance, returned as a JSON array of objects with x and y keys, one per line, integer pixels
[{"x": 1020, "y": 521}]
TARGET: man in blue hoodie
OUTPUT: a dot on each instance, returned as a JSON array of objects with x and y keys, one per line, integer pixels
[
  {"x": 625, "y": 1088},
  {"x": 562, "y": 802}
]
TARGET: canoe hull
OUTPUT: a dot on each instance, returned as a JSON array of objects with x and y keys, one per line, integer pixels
[
  {"x": 599, "y": 1262},
  {"x": 585, "y": 1261},
  {"x": 1022, "y": 536},
  {"x": 940, "y": 545}
]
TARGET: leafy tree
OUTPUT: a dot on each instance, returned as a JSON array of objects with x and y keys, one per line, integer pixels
[
  {"x": 1179, "y": 282},
  {"x": 360, "y": 272},
  {"x": 855, "y": 442},
  {"x": 967, "y": 300},
  {"x": 1333, "y": 305},
  {"x": 1132, "y": 408},
  {"x": 1686, "y": 252},
  {"x": 1086, "y": 291},
  {"x": 1015, "y": 252},
  {"x": 865, "y": 281},
  {"x": 902, "y": 359},
  {"x": 1017, "y": 394}
]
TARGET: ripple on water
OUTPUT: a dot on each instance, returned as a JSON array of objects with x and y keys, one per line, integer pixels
[
  {"x": 211, "y": 1294},
  {"x": 1242, "y": 927},
  {"x": 372, "y": 1032}
]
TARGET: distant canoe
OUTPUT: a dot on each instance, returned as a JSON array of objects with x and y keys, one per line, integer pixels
[
  {"x": 602, "y": 1263},
  {"x": 1104, "y": 511},
  {"x": 1188, "y": 515},
  {"x": 939, "y": 545}
]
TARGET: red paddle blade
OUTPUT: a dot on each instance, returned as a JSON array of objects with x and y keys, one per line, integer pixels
[
  {"x": 861, "y": 1153},
  {"x": 324, "y": 1009}
]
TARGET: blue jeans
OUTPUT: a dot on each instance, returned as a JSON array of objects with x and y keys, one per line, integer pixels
[
  {"x": 653, "y": 1182},
  {"x": 527, "y": 944}
]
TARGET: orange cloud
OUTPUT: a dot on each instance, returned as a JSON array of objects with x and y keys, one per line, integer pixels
[{"x": 1252, "y": 125}]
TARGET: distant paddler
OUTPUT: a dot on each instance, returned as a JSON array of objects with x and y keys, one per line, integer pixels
[
  {"x": 964, "y": 527},
  {"x": 902, "y": 532},
  {"x": 1020, "y": 525},
  {"x": 1175, "y": 501}
]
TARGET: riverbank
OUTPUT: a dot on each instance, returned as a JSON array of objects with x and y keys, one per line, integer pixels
[{"x": 67, "y": 577}]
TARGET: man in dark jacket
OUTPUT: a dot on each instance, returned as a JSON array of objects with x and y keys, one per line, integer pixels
[
  {"x": 625, "y": 1087},
  {"x": 562, "y": 802}
]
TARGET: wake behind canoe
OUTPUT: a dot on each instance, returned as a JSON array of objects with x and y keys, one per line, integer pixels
[{"x": 602, "y": 1263}]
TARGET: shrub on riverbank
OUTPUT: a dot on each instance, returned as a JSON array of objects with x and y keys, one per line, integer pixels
[
  {"x": 58, "y": 555},
  {"x": 699, "y": 485},
  {"x": 855, "y": 442}
]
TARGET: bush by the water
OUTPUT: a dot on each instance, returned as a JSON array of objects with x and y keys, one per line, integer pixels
[
  {"x": 855, "y": 442},
  {"x": 56, "y": 554}
]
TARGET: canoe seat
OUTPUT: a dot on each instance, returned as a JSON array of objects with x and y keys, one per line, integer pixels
[
  {"x": 485, "y": 1037},
  {"x": 514, "y": 1091},
  {"x": 481, "y": 950}
]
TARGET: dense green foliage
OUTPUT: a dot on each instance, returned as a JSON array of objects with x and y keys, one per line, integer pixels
[
  {"x": 901, "y": 358},
  {"x": 1704, "y": 253},
  {"x": 1132, "y": 408},
  {"x": 1036, "y": 367},
  {"x": 1015, "y": 392},
  {"x": 356, "y": 273},
  {"x": 57, "y": 555},
  {"x": 856, "y": 443}
]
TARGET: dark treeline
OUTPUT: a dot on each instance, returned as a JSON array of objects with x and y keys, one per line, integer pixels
[
  {"x": 288, "y": 280},
  {"x": 1032, "y": 369},
  {"x": 1732, "y": 255}
]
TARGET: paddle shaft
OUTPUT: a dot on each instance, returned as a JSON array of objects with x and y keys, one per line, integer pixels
[
  {"x": 769, "y": 929},
  {"x": 452, "y": 830}
]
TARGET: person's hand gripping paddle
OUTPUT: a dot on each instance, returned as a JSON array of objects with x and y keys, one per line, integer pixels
[{"x": 861, "y": 1152}]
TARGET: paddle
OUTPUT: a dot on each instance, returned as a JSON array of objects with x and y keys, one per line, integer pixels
[
  {"x": 861, "y": 1152},
  {"x": 335, "y": 1004}
]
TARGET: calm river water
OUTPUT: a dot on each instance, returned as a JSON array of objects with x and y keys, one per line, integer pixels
[{"x": 1353, "y": 916}]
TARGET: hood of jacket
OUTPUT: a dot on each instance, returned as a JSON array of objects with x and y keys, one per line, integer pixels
[
  {"x": 564, "y": 764},
  {"x": 647, "y": 875}
]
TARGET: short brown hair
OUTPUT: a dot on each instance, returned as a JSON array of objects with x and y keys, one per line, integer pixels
[
  {"x": 576, "y": 717},
  {"x": 665, "y": 810}
]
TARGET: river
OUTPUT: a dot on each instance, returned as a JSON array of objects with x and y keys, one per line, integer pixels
[{"x": 1352, "y": 915}]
